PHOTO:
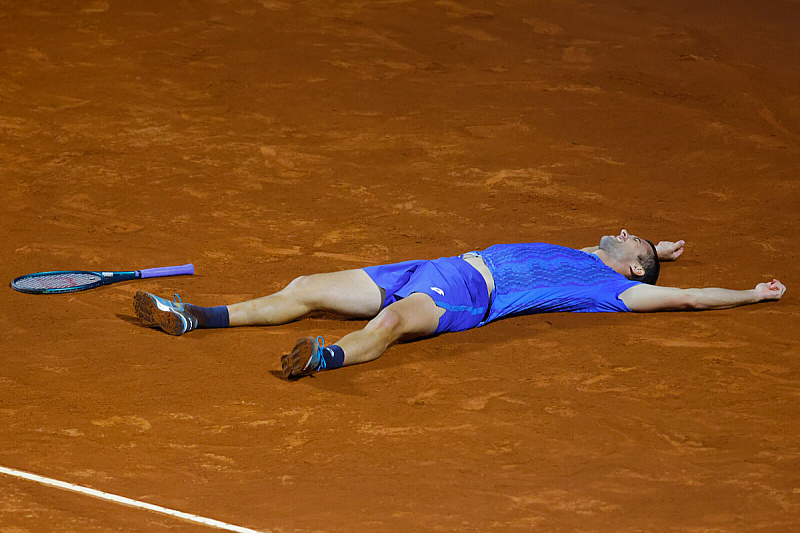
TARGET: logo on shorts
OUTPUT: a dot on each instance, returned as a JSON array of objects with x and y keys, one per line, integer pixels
[{"x": 438, "y": 291}]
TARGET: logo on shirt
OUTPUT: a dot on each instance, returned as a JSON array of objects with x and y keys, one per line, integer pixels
[{"x": 438, "y": 291}]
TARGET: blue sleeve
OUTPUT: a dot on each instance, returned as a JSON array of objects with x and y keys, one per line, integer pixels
[{"x": 608, "y": 296}]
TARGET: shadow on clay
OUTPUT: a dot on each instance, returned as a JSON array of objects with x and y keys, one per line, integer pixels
[
  {"x": 131, "y": 319},
  {"x": 339, "y": 382}
]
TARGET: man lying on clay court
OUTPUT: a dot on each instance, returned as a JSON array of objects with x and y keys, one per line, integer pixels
[{"x": 421, "y": 298}]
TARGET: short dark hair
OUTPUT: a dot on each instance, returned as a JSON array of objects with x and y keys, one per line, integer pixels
[{"x": 651, "y": 266}]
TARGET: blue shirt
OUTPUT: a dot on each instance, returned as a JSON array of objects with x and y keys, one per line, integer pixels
[{"x": 545, "y": 278}]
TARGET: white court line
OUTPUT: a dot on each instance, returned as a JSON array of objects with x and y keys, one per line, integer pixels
[{"x": 125, "y": 501}]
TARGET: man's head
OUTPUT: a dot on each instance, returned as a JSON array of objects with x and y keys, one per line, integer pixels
[{"x": 634, "y": 258}]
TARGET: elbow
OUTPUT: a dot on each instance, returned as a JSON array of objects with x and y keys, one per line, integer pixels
[{"x": 692, "y": 301}]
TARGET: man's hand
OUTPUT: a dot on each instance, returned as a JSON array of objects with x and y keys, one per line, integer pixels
[
  {"x": 770, "y": 291},
  {"x": 669, "y": 251}
]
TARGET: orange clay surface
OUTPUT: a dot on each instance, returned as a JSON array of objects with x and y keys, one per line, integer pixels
[{"x": 262, "y": 140}]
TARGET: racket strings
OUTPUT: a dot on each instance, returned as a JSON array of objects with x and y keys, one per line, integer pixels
[{"x": 58, "y": 280}]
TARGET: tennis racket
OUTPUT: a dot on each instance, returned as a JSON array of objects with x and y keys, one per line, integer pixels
[{"x": 80, "y": 280}]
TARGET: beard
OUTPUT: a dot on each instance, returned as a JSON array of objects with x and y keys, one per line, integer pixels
[{"x": 608, "y": 244}]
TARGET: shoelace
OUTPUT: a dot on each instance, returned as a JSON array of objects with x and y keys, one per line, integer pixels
[
  {"x": 321, "y": 343},
  {"x": 191, "y": 322}
]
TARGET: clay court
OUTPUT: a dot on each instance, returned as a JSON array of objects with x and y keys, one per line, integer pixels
[{"x": 263, "y": 140}]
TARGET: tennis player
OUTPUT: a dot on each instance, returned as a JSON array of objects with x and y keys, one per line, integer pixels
[{"x": 421, "y": 298}]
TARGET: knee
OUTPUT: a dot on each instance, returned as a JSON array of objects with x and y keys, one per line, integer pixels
[
  {"x": 389, "y": 322},
  {"x": 302, "y": 286},
  {"x": 301, "y": 290},
  {"x": 297, "y": 283}
]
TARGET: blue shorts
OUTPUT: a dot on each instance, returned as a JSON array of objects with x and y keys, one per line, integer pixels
[{"x": 455, "y": 286}]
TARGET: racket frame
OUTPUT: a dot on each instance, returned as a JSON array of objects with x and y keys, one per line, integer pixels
[{"x": 106, "y": 278}]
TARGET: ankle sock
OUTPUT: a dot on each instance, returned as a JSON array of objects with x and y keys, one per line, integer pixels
[
  {"x": 209, "y": 317},
  {"x": 333, "y": 356}
]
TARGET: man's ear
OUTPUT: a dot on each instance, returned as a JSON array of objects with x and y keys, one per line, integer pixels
[{"x": 637, "y": 269}]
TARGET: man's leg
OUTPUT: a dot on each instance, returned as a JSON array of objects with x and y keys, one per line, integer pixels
[
  {"x": 409, "y": 318},
  {"x": 349, "y": 292}
]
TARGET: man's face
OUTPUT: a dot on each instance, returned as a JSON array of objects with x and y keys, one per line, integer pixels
[{"x": 624, "y": 247}]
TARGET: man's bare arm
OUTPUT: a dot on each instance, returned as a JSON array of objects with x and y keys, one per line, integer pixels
[
  {"x": 648, "y": 298},
  {"x": 667, "y": 250}
]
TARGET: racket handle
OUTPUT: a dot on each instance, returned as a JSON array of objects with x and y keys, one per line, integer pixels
[{"x": 168, "y": 271}]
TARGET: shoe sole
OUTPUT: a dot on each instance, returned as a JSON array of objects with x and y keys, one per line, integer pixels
[
  {"x": 294, "y": 364},
  {"x": 147, "y": 311}
]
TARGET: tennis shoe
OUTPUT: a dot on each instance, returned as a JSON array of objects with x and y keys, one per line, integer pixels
[
  {"x": 172, "y": 317},
  {"x": 305, "y": 359}
]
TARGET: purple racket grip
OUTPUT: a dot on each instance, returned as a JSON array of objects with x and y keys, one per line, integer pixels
[{"x": 168, "y": 271}]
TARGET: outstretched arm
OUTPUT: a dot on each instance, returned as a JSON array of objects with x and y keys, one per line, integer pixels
[{"x": 647, "y": 298}]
